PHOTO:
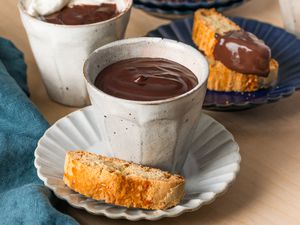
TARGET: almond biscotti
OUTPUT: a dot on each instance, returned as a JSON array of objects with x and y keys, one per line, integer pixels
[
  {"x": 222, "y": 78},
  {"x": 208, "y": 26},
  {"x": 121, "y": 183}
]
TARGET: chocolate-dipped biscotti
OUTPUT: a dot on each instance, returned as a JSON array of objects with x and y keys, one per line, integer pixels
[{"x": 238, "y": 60}]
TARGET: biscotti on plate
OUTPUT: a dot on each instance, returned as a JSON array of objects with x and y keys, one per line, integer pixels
[
  {"x": 121, "y": 183},
  {"x": 208, "y": 25}
]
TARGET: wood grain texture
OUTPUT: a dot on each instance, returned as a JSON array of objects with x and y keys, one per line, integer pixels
[{"x": 267, "y": 190}]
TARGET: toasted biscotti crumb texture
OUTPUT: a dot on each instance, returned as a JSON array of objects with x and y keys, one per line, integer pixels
[
  {"x": 223, "y": 79},
  {"x": 208, "y": 24},
  {"x": 119, "y": 182}
]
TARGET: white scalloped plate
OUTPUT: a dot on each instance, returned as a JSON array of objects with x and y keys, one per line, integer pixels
[{"x": 211, "y": 166}]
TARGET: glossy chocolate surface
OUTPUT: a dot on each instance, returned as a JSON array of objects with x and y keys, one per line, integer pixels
[
  {"x": 145, "y": 79},
  {"x": 243, "y": 52},
  {"x": 83, "y": 14}
]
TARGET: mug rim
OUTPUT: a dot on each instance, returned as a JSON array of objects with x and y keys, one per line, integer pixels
[
  {"x": 23, "y": 11},
  {"x": 201, "y": 60}
]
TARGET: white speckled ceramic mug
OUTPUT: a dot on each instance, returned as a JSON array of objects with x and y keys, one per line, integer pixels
[
  {"x": 290, "y": 12},
  {"x": 154, "y": 133},
  {"x": 60, "y": 52}
]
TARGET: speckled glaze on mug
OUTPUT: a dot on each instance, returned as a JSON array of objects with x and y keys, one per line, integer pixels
[
  {"x": 152, "y": 133},
  {"x": 60, "y": 51}
]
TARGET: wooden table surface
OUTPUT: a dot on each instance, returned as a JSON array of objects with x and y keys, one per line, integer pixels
[{"x": 267, "y": 189}]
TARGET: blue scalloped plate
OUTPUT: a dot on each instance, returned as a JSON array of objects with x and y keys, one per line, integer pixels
[
  {"x": 285, "y": 49},
  {"x": 173, "y": 10},
  {"x": 163, "y": 13},
  {"x": 191, "y": 4}
]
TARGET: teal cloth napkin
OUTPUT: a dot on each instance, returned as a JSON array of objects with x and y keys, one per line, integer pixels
[{"x": 23, "y": 197}]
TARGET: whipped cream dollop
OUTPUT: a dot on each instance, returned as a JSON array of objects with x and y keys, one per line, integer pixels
[{"x": 47, "y": 7}]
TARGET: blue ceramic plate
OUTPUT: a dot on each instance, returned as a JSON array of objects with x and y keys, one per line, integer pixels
[
  {"x": 191, "y": 4},
  {"x": 164, "y": 13},
  {"x": 171, "y": 10},
  {"x": 285, "y": 49}
]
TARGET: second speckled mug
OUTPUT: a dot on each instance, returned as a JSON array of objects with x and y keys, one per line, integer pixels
[
  {"x": 60, "y": 51},
  {"x": 153, "y": 133}
]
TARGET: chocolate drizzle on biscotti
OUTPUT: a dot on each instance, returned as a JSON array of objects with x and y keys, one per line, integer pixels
[{"x": 243, "y": 52}]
